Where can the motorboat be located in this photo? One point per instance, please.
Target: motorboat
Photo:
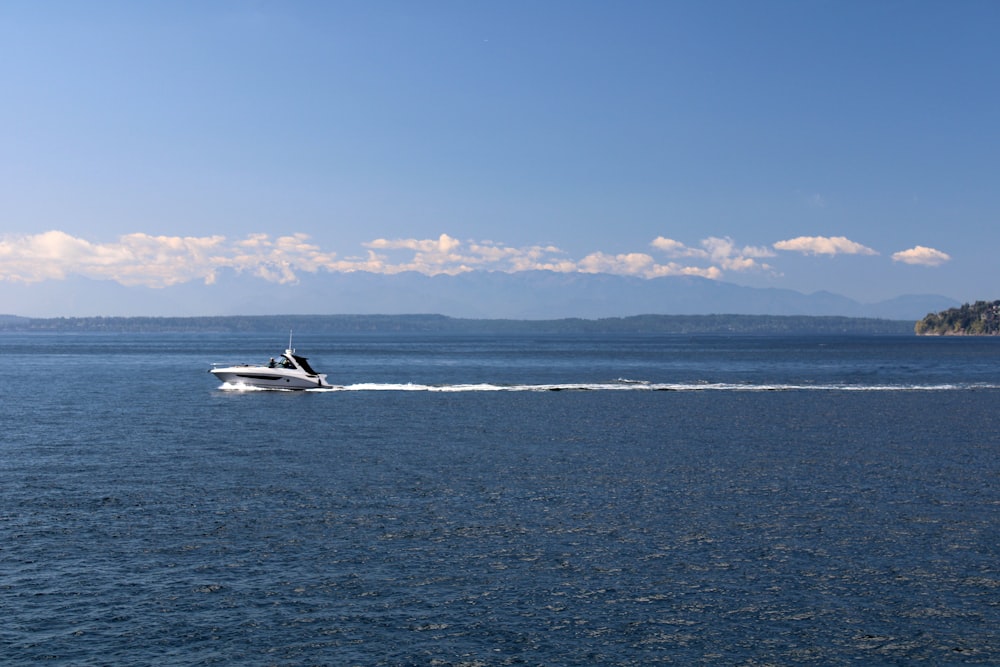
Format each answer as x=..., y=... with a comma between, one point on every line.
x=289, y=371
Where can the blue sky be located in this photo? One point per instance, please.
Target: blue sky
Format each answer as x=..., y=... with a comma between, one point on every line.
x=841, y=146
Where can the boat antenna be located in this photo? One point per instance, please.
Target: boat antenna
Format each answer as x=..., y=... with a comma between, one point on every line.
x=290, y=341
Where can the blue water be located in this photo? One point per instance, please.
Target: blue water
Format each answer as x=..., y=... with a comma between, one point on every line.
x=678, y=500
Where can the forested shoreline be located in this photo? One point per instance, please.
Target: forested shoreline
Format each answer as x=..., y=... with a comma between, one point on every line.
x=440, y=324
x=981, y=318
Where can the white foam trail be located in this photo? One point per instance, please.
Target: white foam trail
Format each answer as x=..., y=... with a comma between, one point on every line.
x=239, y=386
x=649, y=386
x=621, y=384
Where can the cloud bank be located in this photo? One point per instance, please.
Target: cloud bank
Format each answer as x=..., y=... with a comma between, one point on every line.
x=160, y=261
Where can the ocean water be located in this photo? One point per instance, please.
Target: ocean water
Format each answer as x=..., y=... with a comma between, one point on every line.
x=512, y=500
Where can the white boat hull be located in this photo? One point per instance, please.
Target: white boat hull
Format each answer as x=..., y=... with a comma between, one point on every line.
x=268, y=378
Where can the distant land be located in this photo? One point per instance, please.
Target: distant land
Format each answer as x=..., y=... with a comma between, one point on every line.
x=981, y=318
x=526, y=295
x=440, y=324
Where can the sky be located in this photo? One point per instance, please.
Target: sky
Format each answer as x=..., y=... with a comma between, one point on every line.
x=850, y=147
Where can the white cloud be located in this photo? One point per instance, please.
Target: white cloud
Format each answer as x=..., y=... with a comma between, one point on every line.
x=674, y=248
x=824, y=245
x=635, y=263
x=430, y=256
x=921, y=255
x=725, y=253
x=442, y=245
x=136, y=259
x=155, y=261
x=531, y=258
x=722, y=252
x=675, y=269
x=272, y=260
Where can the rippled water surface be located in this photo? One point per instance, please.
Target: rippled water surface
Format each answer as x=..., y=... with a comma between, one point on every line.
x=730, y=500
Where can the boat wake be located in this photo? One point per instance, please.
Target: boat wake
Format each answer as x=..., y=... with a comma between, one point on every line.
x=625, y=385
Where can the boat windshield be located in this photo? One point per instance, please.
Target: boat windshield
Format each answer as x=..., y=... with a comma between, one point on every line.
x=284, y=363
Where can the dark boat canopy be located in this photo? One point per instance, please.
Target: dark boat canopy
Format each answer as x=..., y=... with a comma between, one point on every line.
x=304, y=364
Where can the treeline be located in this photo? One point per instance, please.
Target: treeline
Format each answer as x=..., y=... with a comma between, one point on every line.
x=353, y=324
x=981, y=318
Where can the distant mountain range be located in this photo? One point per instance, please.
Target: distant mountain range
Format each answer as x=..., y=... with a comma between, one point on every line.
x=490, y=295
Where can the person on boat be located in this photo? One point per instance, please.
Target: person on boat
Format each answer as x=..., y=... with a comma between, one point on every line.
x=270, y=364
